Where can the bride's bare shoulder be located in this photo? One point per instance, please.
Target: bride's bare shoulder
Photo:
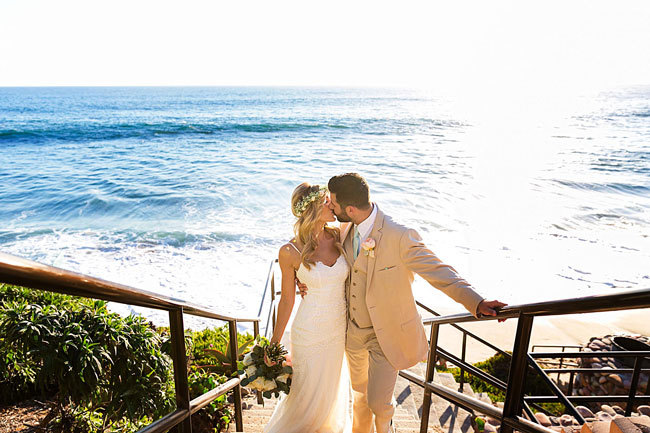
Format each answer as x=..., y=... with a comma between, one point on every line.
x=289, y=254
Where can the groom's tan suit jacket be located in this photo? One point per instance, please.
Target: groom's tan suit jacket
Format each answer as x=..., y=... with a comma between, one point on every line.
x=378, y=290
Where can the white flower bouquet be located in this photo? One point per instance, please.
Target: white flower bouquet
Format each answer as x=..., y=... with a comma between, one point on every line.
x=266, y=369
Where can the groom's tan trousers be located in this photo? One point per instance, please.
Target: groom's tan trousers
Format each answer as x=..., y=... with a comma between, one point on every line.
x=373, y=380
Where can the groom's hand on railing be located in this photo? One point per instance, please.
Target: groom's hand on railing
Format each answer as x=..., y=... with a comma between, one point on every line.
x=302, y=288
x=490, y=308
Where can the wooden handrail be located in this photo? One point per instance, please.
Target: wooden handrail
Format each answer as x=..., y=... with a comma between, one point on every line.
x=27, y=273
x=516, y=401
x=24, y=272
x=589, y=304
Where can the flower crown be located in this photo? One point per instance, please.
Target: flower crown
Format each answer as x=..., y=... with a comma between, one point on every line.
x=300, y=207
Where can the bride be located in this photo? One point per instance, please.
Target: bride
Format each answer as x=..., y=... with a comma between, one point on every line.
x=319, y=400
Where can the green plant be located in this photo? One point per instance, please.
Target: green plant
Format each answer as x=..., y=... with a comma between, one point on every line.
x=98, y=363
x=216, y=416
x=211, y=349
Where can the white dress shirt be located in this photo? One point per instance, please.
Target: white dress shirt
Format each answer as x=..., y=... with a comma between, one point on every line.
x=365, y=227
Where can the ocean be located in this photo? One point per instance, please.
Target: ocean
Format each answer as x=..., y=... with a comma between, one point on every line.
x=185, y=191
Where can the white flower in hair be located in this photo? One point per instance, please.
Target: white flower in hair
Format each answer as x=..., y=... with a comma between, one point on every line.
x=307, y=200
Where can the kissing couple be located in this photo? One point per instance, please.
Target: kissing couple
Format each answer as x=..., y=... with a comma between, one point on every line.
x=358, y=302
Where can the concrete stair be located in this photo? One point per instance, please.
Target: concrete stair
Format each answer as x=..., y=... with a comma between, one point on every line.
x=443, y=418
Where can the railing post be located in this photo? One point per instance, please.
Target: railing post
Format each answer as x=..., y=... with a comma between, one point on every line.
x=518, y=369
x=634, y=384
x=431, y=368
x=232, y=328
x=462, y=357
x=559, y=373
x=179, y=358
x=256, y=333
x=272, y=301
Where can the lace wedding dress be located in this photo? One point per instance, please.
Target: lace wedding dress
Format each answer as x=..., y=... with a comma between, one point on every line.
x=319, y=400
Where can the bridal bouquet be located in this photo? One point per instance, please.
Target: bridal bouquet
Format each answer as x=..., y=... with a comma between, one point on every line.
x=266, y=369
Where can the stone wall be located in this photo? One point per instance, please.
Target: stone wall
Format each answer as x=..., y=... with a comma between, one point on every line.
x=607, y=383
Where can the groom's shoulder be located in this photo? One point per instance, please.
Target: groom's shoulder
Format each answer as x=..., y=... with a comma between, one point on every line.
x=392, y=226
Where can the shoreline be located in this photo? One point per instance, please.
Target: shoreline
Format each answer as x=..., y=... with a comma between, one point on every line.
x=574, y=329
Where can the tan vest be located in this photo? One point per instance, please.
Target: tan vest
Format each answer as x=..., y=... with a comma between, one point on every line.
x=358, y=309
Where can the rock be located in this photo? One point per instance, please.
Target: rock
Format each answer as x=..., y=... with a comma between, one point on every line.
x=494, y=421
x=603, y=416
x=616, y=379
x=608, y=409
x=618, y=410
x=642, y=422
x=500, y=404
x=566, y=420
x=543, y=419
x=643, y=410
x=602, y=379
x=623, y=425
x=584, y=412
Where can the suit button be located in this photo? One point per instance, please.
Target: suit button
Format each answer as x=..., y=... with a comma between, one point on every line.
x=354, y=308
x=354, y=296
x=354, y=284
x=355, y=271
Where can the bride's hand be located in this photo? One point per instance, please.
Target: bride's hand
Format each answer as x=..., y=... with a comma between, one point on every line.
x=302, y=287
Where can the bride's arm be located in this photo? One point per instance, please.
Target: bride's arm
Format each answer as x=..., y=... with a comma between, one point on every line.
x=286, y=259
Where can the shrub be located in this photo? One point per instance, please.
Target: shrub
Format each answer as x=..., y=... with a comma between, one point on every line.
x=211, y=349
x=216, y=416
x=107, y=373
x=95, y=360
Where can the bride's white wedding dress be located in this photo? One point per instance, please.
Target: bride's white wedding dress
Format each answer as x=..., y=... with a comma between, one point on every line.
x=319, y=400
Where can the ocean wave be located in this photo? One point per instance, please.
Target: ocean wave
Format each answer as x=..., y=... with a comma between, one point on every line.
x=86, y=132
x=37, y=132
x=607, y=187
x=132, y=238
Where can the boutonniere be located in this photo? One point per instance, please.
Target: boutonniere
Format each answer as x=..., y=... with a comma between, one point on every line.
x=369, y=247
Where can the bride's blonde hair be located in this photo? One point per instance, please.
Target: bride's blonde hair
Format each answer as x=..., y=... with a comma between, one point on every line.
x=307, y=214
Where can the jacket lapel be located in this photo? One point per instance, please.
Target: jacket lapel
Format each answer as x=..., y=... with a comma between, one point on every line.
x=347, y=247
x=375, y=234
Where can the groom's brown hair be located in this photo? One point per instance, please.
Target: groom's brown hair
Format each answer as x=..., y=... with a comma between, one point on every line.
x=351, y=189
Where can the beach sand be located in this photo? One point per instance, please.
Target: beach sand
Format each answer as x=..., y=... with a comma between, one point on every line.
x=554, y=330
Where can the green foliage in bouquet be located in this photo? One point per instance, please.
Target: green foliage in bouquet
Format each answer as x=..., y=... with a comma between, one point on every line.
x=265, y=369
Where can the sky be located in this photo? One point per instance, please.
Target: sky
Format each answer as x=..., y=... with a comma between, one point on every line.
x=442, y=45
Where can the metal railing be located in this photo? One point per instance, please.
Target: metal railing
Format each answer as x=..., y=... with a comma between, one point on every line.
x=516, y=402
x=27, y=273
x=517, y=412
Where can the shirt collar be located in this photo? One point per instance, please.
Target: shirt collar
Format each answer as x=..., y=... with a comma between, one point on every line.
x=365, y=227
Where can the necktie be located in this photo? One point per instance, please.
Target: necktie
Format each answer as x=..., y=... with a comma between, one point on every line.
x=356, y=242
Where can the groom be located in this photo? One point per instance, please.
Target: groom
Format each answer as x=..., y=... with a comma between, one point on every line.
x=385, y=332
